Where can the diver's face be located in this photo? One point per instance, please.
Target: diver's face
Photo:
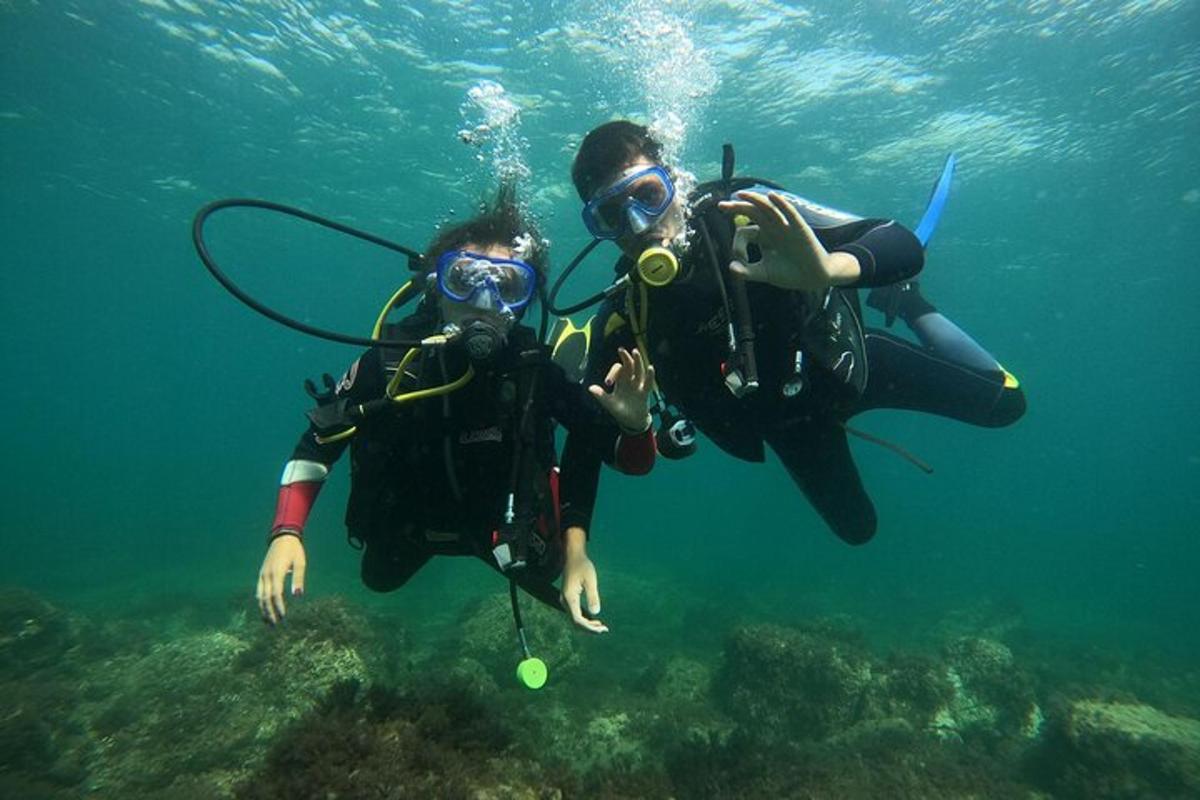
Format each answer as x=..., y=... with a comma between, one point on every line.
x=668, y=225
x=460, y=313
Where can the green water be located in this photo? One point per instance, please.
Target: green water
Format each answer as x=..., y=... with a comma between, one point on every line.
x=149, y=414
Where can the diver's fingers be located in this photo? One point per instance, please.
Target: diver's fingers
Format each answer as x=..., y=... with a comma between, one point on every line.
x=260, y=595
x=651, y=381
x=767, y=212
x=571, y=598
x=743, y=207
x=614, y=372
x=795, y=220
x=268, y=600
x=639, y=371
x=754, y=271
x=278, y=607
x=299, y=567
x=591, y=586
x=626, y=360
x=628, y=368
x=742, y=237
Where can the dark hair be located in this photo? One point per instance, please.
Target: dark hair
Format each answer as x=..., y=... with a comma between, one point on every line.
x=500, y=222
x=608, y=148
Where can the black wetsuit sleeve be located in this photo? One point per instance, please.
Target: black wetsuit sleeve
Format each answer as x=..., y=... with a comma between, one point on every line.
x=362, y=381
x=887, y=251
x=591, y=433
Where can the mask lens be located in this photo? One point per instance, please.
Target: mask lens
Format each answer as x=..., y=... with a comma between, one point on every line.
x=465, y=274
x=649, y=191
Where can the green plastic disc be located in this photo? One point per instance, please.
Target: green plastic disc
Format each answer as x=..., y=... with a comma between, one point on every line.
x=532, y=673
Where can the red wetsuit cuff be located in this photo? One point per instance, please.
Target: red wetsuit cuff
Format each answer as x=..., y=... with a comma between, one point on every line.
x=294, y=504
x=635, y=454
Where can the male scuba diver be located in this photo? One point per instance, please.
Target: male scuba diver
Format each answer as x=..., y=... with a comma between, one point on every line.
x=742, y=296
x=452, y=447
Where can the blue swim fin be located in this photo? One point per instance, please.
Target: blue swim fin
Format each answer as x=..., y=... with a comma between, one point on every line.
x=937, y=202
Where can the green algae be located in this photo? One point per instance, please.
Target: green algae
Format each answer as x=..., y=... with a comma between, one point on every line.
x=341, y=703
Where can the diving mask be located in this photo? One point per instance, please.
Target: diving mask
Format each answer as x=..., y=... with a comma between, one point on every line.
x=633, y=203
x=488, y=294
x=499, y=284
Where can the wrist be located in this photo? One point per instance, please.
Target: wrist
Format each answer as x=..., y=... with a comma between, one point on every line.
x=843, y=268
x=281, y=531
x=638, y=428
x=575, y=542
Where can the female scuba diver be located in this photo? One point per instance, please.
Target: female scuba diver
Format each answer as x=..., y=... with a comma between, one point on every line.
x=452, y=446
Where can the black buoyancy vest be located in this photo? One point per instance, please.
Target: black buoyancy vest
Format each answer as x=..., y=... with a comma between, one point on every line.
x=797, y=330
x=448, y=461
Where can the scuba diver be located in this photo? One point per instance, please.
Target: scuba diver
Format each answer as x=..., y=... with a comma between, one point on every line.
x=452, y=447
x=742, y=296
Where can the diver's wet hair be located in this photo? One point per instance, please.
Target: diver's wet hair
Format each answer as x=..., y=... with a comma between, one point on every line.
x=608, y=148
x=500, y=223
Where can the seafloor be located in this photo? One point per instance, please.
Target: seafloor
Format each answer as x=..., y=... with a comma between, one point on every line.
x=343, y=702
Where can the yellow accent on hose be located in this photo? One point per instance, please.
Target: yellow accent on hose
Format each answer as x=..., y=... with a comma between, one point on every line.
x=394, y=384
x=337, y=437
x=639, y=313
x=391, y=303
x=1010, y=380
x=614, y=323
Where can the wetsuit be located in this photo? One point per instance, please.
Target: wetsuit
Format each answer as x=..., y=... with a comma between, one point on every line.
x=432, y=476
x=817, y=365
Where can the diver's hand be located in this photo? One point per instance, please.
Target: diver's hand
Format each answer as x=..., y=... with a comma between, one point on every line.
x=579, y=577
x=792, y=256
x=286, y=554
x=631, y=380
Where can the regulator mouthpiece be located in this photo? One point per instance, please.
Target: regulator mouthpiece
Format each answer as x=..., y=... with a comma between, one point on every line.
x=481, y=341
x=657, y=266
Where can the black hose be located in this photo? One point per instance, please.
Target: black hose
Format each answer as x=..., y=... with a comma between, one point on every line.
x=415, y=260
x=566, y=273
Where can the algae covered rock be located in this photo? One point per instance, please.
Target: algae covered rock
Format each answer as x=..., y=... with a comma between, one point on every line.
x=33, y=633
x=783, y=683
x=683, y=681
x=487, y=635
x=399, y=745
x=197, y=710
x=1099, y=749
x=913, y=687
x=992, y=696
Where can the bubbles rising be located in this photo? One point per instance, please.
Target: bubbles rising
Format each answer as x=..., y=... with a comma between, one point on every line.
x=492, y=121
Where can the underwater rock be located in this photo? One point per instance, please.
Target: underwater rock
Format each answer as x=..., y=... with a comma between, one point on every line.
x=607, y=740
x=782, y=683
x=683, y=681
x=487, y=635
x=198, y=709
x=991, y=696
x=393, y=744
x=1098, y=749
x=33, y=633
x=912, y=687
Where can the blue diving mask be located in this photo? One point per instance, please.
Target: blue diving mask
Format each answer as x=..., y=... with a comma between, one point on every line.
x=634, y=203
x=499, y=284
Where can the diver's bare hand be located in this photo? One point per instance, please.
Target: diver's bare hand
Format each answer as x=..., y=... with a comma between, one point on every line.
x=579, y=577
x=631, y=380
x=285, y=555
x=792, y=256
